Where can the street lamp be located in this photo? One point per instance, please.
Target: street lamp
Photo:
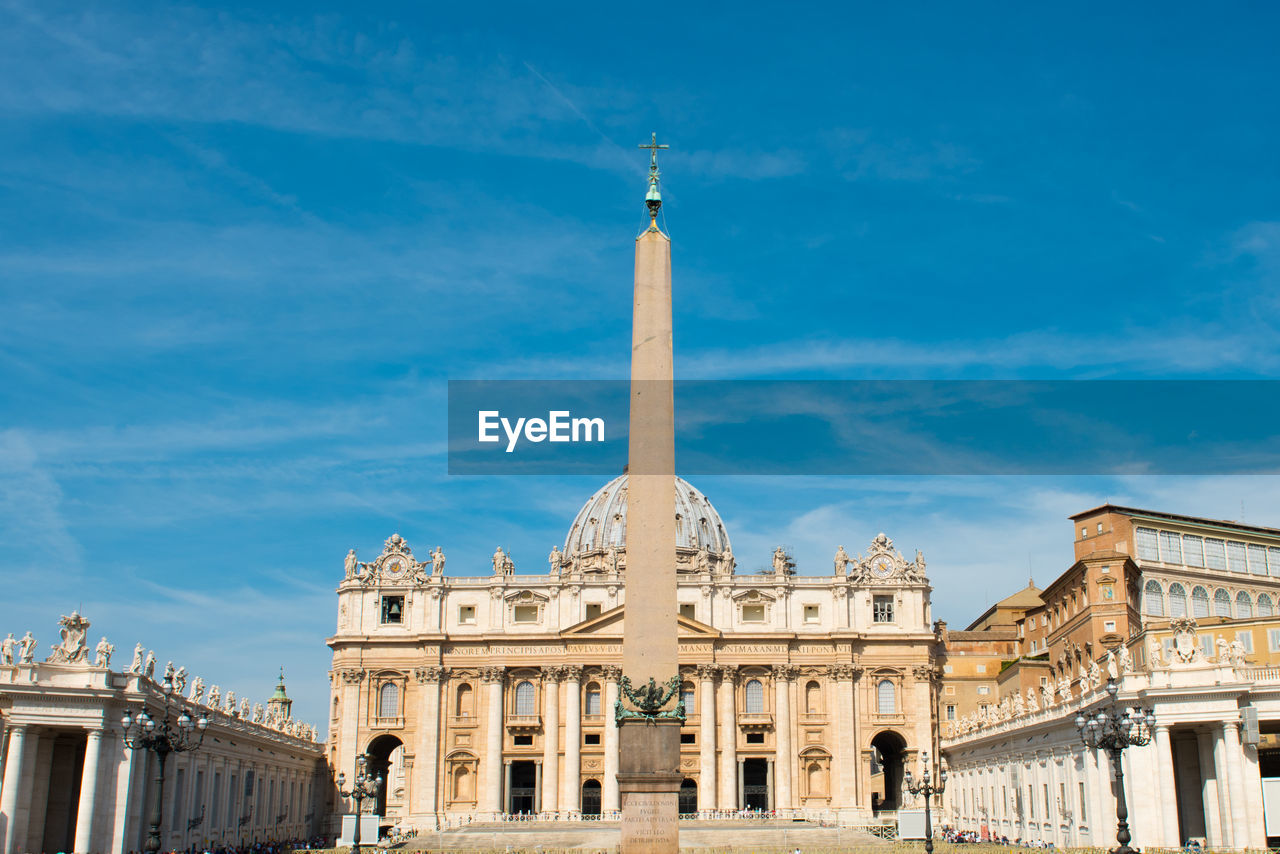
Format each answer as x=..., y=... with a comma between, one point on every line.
x=1114, y=730
x=365, y=786
x=162, y=738
x=925, y=786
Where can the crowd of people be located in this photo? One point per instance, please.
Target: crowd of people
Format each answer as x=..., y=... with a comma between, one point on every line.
x=268, y=846
x=951, y=834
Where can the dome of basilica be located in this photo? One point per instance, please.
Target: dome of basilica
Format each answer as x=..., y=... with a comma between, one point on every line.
x=602, y=522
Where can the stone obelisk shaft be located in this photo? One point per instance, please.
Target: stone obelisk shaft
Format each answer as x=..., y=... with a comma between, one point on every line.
x=648, y=776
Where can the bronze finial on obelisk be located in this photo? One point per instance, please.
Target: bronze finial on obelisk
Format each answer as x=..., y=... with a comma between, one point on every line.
x=648, y=719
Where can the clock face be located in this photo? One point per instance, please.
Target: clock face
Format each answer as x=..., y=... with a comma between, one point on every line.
x=881, y=567
x=394, y=567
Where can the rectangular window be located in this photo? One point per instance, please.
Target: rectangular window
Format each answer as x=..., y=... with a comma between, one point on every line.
x=1246, y=640
x=984, y=690
x=467, y=614
x=1170, y=547
x=231, y=802
x=1148, y=546
x=1031, y=799
x=392, y=610
x=1109, y=626
x=1257, y=560
x=522, y=740
x=1236, y=561
x=946, y=668
x=882, y=609
x=686, y=610
x=982, y=668
x=755, y=738
x=811, y=614
x=593, y=610
x=1048, y=810
x=1193, y=550
x=688, y=738
x=177, y=796
x=1206, y=645
x=1273, y=559
x=1167, y=645
x=1215, y=553
x=951, y=712
x=216, y=799
x=753, y=613
x=1084, y=533
x=525, y=614
x=1273, y=639
x=1084, y=812
x=591, y=738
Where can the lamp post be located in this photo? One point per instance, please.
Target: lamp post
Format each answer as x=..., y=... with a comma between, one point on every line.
x=162, y=738
x=1113, y=730
x=363, y=787
x=925, y=786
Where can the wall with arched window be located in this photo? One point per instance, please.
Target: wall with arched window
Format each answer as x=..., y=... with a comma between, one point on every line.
x=526, y=698
x=592, y=705
x=813, y=698
x=688, y=696
x=1153, y=599
x=1266, y=608
x=1221, y=603
x=886, y=697
x=1177, y=600
x=754, y=691
x=389, y=700
x=1199, y=602
x=1244, y=605
x=464, y=701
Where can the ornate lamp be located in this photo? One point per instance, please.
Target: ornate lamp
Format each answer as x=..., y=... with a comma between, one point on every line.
x=1113, y=730
x=363, y=787
x=925, y=786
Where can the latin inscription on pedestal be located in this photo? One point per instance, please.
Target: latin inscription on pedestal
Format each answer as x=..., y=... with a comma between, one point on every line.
x=650, y=822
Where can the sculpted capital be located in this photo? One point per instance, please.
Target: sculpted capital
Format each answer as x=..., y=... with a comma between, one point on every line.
x=572, y=672
x=706, y=671
x=352, y=676
x=784, y=672
x=554, y=673
x=840, y=672
x=612, y=672
x=430, y=674
x=493, y=674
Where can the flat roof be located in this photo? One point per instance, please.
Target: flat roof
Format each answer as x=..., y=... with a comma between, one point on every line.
x=1157, y=516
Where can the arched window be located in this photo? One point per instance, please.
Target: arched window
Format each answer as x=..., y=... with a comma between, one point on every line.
x=1199, y=602
x=389, y=700
x=1265, y=607
x=755, y=697
x=886, y=701
x=813, y=698
x=524, y=698
x=688, y=696
x=593, y=699
x=1154, y=599
x=1244, y=606
x=1221, y=603
x=464, y=706
x=1177, y=600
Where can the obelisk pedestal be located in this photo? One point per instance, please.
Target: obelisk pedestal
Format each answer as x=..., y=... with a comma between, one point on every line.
x=649, y=748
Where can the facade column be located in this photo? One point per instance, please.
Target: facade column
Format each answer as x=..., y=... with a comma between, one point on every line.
x=780, y=791
x=610, y=801
x=728, y=776
x=738, y=804
x=707, y=737
x=426, y=799
x=493, y=678
x=88, y=792
x=1235, y=777
x=13, y=788
x=1209, y=790
x=1225, y=793
x=551, y=740
x=847, y=770
x=571, y=789
x=1168, y=795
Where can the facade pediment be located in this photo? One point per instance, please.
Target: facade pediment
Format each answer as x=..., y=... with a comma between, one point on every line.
x=610, y=624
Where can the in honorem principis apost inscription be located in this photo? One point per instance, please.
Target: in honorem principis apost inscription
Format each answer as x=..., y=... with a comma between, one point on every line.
x=650, y=818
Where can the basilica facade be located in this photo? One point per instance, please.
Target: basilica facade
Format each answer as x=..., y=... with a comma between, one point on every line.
x=493, y=693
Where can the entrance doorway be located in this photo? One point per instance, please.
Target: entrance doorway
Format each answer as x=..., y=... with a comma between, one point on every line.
x=384, y=761
x=688, y=797
x=755, y=784
x=591, y=797
x=524, y=787
x=887, y=750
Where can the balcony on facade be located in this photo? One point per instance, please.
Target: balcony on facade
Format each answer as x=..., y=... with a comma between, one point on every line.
x=524, y=723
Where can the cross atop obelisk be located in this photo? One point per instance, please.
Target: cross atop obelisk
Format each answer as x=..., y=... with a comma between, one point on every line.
x=649, y=723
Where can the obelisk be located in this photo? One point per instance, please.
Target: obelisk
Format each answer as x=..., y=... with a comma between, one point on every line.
x=649, y=761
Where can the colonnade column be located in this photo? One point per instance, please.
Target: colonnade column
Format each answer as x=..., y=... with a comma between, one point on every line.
x=425, y=787
x=609, y=801
x=728, y=776
x=13, y=787
x=551, y=739
x=571, y=789
x=493, y=677
x=1168, y=796
x=1239, y=816
x=88, y=792
x=782, y=676
x=707, y=737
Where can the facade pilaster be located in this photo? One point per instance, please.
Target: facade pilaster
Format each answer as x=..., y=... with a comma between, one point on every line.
x=728, y=777
x=1226, y=793
x=707, y=737
x=426, y=762
x=571, y=788
x=609, y=796
x=840, y=677
x=1168, y=796
x=493, y=677
x=783, y=676
x=88, y=792
x=551, y=739
x=1209, y=790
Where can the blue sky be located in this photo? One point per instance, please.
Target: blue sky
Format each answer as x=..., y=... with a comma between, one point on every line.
x=242, y=249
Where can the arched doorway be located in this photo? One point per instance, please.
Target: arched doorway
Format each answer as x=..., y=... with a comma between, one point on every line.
x=887, y=751
x=385, y=755
x=688, y=797
x=591, y=797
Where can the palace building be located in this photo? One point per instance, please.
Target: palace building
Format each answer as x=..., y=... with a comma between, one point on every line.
x=493, y=692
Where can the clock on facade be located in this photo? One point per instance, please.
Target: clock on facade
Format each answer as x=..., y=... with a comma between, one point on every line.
x=881, y=567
